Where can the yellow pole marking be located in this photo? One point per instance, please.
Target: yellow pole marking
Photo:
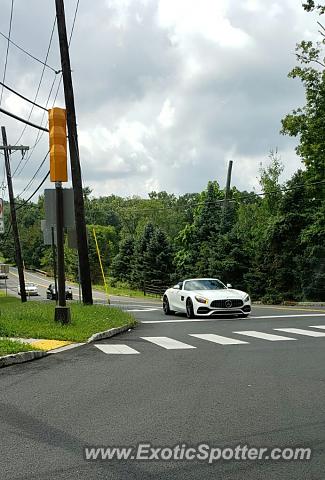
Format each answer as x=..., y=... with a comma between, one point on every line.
x=101, y=265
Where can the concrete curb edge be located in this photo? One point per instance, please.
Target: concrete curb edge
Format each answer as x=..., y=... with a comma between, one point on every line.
x=21, y=357
x=108, y=333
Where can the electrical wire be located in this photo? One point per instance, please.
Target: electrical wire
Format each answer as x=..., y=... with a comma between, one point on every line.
x=41, y=133
x=40, y=81
x=34, y=193
x=7, y=50
x=34, y=176
x=29, y=54
x=38, y=136
x=21, y=96
x=5, y=71
x=20, y=119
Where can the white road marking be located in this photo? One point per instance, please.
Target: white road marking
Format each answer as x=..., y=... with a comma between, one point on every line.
x=135, y=305
x=117, y=349
x=317, y=326
x=265, y=336
x=211, y=337
x=168, y=343
x=209, y=319
x=300, y=331
x=142, y=310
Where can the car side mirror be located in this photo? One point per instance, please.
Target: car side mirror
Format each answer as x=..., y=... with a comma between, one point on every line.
x=176, y=287
x=229, y=285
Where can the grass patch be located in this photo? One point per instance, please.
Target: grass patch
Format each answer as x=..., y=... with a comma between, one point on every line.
x=8, y=347
x=125, y=292
x=36, y=320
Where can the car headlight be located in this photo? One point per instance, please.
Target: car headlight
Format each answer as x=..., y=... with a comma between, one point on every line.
x=246, y=299
x=201, y=299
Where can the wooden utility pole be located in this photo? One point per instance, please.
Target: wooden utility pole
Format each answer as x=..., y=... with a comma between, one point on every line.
x=74, y=157
x=18, y=255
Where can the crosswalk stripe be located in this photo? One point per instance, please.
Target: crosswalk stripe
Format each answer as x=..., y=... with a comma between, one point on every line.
x=265, y=336
x=300, y=331
x=117, y=349
x=318, y=326
x=168, y=343
x=211, y=337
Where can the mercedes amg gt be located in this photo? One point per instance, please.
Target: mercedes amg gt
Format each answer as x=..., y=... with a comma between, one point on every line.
x=206, y=297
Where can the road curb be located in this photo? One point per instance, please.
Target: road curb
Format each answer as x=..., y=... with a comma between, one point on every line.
x=21, y=357
x=109, y=333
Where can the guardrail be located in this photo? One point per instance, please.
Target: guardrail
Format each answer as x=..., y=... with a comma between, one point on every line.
x=154, y=288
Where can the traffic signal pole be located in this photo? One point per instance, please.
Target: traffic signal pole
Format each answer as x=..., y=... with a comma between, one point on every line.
x=18, y=255
x=59, y=174
x=62, y=312
x=74, y=157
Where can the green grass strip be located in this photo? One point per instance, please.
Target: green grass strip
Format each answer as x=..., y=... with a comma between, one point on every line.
x=35, y=319
x=8, y=347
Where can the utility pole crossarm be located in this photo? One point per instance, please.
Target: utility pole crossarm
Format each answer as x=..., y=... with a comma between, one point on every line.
x=14, y=147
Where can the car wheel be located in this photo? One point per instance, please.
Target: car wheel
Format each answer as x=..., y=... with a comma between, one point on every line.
x=166, y=308
x=189, y=308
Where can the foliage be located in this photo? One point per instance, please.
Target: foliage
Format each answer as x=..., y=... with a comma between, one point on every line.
x=271, y=244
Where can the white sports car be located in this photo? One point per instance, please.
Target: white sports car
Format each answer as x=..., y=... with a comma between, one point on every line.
x=206, y=297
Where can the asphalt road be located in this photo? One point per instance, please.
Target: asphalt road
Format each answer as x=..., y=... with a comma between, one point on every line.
x=266, y=392
x=43, y=282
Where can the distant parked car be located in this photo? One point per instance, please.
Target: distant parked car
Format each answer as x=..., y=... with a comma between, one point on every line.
x=51, y=293
x=30, y=288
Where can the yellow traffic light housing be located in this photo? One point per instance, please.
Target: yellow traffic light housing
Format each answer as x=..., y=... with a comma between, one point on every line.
x=58, y=145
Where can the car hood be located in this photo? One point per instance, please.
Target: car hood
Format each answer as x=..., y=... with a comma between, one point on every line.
x=220, y=294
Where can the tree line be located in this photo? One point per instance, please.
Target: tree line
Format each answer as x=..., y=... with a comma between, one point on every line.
x=271, y=244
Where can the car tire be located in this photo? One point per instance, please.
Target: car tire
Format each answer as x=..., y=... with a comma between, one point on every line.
x=189, y=308
x=166, y=307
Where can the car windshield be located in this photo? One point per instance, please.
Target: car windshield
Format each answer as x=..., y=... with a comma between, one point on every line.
x=205, y=284
x=30, y=285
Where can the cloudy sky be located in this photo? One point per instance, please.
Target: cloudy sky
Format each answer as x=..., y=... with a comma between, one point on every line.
x=167, y=91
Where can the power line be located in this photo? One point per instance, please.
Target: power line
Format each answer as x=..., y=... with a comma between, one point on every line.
x=21, y=96
x=34, y=176
x=40, y=81
x=7, y=50
x=34, y=193
x=5, y=71
x=29, y=54
x=40, y=134
x=16, y=117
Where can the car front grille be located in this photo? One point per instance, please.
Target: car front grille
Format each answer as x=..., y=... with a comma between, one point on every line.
x=230, y=303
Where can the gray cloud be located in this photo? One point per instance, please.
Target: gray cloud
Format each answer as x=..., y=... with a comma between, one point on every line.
x=165, y=96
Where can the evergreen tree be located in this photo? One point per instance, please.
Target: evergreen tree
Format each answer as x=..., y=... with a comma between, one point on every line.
x=122, y=263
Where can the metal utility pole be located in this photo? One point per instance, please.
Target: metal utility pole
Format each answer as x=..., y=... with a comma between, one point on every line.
x=18, y=255
x=228, y=182
x=74, y=157
x=54, y=262
x=227, y=191
x=62, y=313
